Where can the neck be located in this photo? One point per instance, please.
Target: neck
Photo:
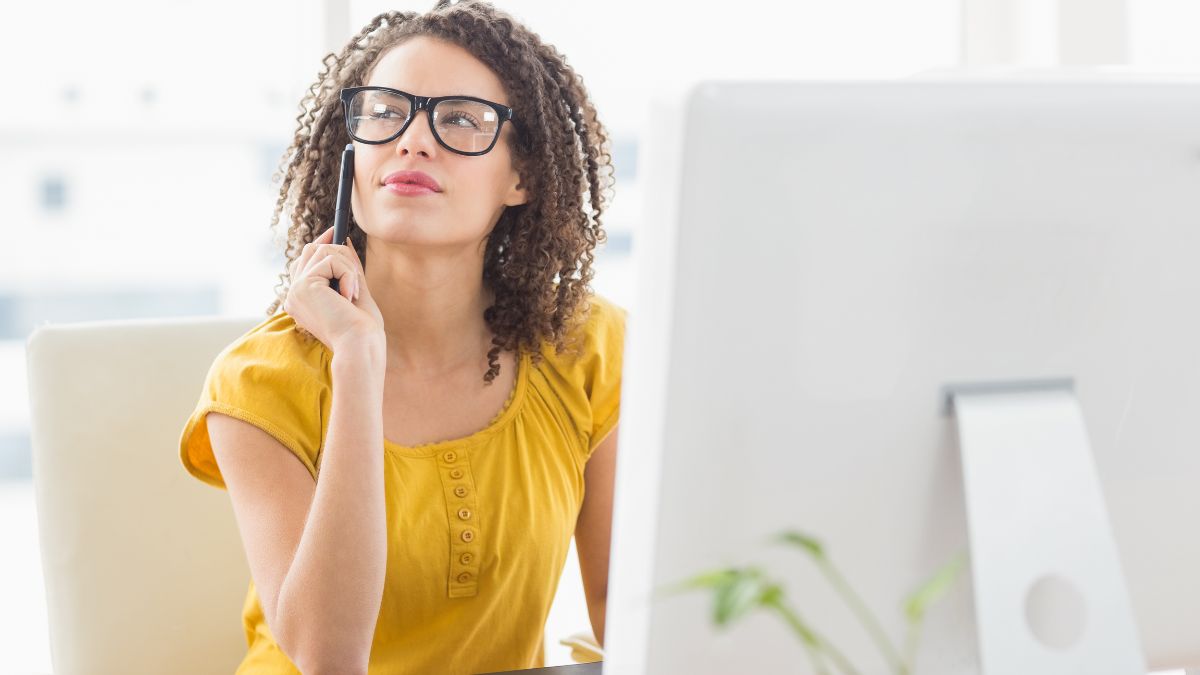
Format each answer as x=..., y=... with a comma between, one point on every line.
x=432, y=302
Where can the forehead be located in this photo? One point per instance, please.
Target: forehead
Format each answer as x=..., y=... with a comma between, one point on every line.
x=431, y=67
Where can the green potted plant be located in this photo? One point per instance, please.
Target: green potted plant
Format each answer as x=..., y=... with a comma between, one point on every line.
x=739, y=590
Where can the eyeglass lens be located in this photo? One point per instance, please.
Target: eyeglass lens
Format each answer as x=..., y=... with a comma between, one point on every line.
x=466, y=126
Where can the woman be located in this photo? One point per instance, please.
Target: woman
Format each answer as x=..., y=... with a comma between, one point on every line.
x=400, y=512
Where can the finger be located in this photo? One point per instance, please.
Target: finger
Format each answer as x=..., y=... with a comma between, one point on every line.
x=343, y=253
x=310, y=249
x=354, y=257
x=297, y=264
x=361, y=286
x=335, y=267
x=302, y=261
x=328, y=265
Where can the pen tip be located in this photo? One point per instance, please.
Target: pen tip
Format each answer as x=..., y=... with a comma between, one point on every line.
x=350, y=147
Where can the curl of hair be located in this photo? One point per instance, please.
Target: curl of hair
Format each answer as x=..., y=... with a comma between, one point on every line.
x=538, y=258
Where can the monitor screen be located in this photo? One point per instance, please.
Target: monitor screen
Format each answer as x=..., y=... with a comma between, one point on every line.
x=817, y=261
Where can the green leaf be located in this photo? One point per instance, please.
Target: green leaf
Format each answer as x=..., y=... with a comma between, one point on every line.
x=714, y=579
x=771, y=594
x=734, y=599
x=931, y=591
x=805, y=542
x=711, y=579
x=805, y=633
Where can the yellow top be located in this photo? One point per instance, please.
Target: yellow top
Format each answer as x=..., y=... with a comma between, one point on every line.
x=481, y=524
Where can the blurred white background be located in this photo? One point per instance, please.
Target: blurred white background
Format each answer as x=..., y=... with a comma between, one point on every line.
x=138, y=139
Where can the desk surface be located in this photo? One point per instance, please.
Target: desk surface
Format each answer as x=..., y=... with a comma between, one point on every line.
x=576, y=669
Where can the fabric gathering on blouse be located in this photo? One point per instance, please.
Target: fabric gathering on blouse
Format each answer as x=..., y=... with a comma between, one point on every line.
x=478, y=527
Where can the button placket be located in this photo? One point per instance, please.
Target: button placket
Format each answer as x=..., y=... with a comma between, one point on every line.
x=459, y=489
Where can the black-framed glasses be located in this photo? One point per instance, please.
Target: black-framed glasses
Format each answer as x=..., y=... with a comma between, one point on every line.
x=463, y=124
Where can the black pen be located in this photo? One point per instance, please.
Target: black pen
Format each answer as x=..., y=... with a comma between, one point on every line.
x=341, y=216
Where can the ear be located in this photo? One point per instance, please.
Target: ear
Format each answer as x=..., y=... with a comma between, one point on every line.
x=517, y=194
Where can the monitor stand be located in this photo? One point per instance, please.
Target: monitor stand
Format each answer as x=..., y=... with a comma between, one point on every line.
x=1050, y=597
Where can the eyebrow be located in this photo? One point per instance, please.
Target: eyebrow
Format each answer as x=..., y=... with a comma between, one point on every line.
x=457, y=93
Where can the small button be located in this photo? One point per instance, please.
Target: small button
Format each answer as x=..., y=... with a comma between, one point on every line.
x=450, y=457
x=456, y=473
x=464, y=578
x=465, y=514
x=466, y=558
x=460, y=491
x=468, y=536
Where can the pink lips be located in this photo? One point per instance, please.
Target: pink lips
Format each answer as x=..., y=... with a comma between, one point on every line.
x=411, y=183
x=409, y=189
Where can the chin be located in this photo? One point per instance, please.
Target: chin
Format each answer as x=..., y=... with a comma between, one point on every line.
x=418, y=232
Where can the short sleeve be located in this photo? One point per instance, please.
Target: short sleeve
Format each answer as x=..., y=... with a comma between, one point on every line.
x=271, y=377
x=582, y=384
x=604, y=351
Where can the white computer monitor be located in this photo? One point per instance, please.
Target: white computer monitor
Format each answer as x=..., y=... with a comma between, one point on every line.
x=817, y=262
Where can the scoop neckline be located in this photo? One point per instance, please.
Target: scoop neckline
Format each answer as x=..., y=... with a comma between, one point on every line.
x=511, y=406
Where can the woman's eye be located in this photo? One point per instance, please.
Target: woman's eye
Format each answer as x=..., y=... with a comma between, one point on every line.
x=461, y=120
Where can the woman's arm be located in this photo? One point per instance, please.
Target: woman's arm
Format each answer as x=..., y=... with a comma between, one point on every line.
x=317, y=551
x=593, y=530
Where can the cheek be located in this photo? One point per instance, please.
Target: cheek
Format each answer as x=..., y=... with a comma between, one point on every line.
x=367, y=163
x=364, y=164
x=361, y=192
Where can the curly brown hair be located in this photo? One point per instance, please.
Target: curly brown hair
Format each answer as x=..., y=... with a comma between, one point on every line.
x=538, y=257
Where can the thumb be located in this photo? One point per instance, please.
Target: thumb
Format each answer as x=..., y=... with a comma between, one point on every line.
x=362, y=274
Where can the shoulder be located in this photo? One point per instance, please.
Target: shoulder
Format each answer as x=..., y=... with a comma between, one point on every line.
x=276, y=342
x=605, y=316
x=275, y=371
x=598, y=333
x=583, y=380
x=274, y=377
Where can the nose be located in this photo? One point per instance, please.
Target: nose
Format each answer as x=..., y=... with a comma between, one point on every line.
x=418, y=137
